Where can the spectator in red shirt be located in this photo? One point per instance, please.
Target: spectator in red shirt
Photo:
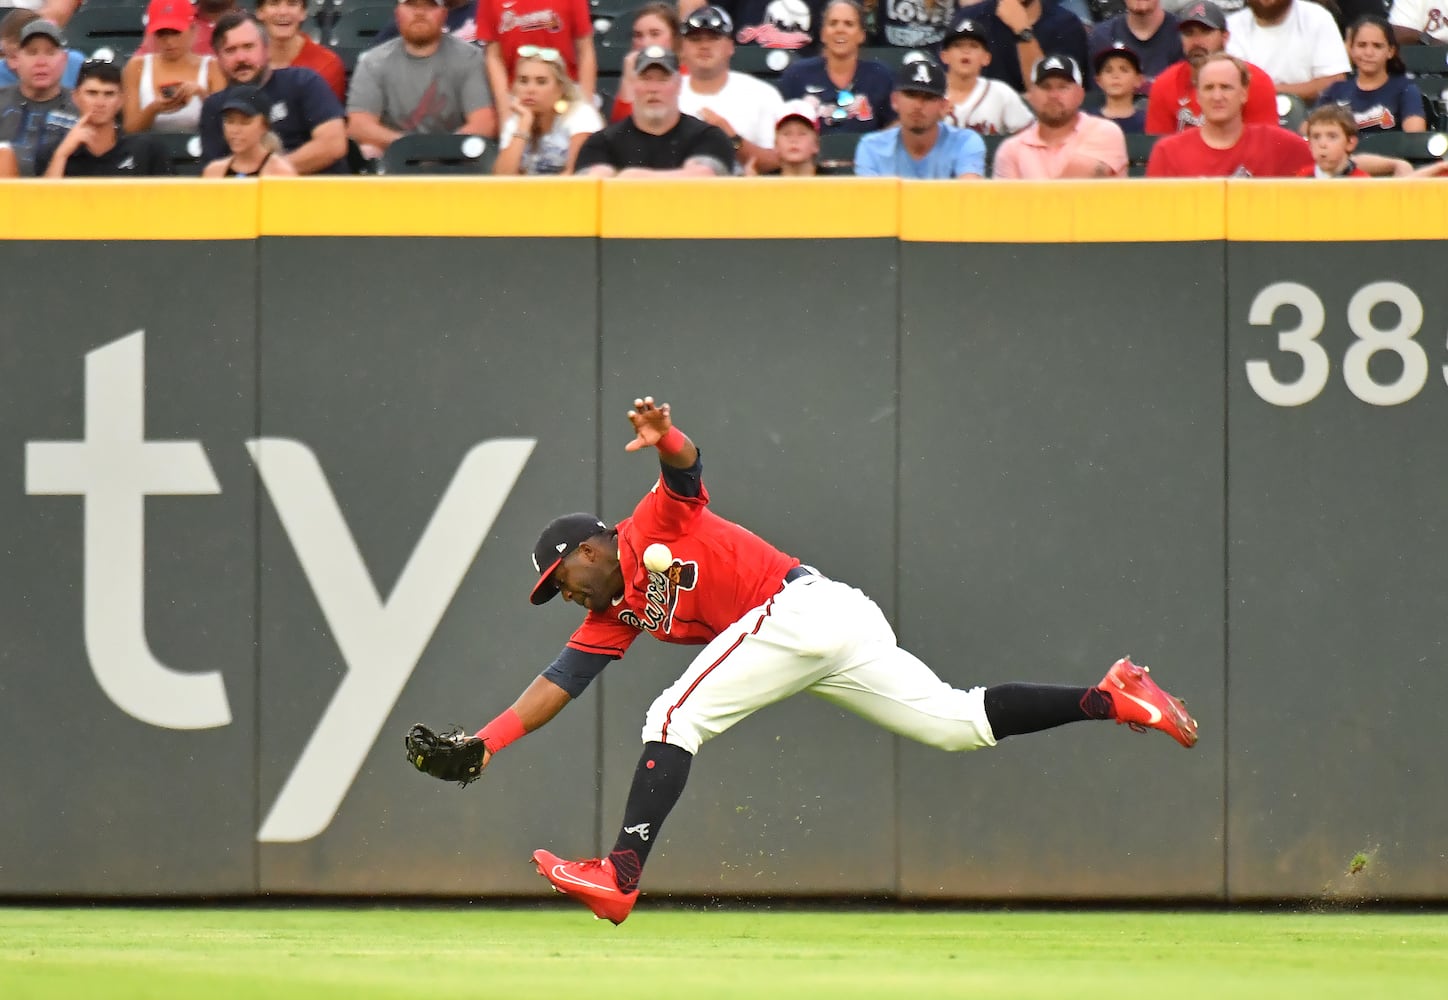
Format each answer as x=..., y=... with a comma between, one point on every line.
x=565, y=26
x=290, y=45
x=1173, y=106
x=1225, y=145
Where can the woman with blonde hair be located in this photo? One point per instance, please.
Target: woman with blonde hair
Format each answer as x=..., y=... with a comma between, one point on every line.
x=254, y=146
x=549, y=120
x=164, y=89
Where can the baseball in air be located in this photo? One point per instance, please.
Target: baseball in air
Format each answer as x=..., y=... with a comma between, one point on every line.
x=658, y=558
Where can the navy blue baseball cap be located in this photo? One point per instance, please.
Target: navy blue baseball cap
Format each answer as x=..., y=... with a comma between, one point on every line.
x=562, y=536
x=921, y=77
x=247, y=99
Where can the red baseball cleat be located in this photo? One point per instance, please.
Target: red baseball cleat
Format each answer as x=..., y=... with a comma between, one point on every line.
x=1140, y=704
x=590, y=882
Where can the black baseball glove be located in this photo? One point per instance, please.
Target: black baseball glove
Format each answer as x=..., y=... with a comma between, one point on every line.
x=450, y=756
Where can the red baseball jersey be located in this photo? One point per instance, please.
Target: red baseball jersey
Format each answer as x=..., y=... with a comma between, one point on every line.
x=549, y=24
x=1262, y=151
x=1172, y=106
x=719, y=571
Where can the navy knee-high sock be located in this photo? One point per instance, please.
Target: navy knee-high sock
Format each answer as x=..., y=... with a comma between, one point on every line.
x=658, y=782
x=1028, y=708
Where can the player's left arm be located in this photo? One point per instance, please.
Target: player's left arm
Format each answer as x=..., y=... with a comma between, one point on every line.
x=654, y=428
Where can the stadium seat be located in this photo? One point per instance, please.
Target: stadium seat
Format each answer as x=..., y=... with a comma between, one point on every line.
x=612, y=45
x=992, y=143
x=358, y=24
x=183, y=150
x=759, y=62
x=1138, y=152
x=116, y=28
x=837, y=149
x=1418, y=148
x=891, y=55
x=439, y=154
x=1424, y=58
x=1291, y=112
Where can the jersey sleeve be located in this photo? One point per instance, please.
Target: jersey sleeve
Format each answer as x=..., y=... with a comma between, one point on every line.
x=486, y=21
x=582, y=20
x=602, y=635
x=1261, y=108
x=573, y=670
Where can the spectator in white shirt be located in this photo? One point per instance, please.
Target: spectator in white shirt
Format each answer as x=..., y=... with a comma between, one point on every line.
x=1419, y=21
x=743, y=107
x=1295, y=41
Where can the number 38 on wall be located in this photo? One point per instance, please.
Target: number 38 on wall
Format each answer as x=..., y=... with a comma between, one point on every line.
x=1316, y=367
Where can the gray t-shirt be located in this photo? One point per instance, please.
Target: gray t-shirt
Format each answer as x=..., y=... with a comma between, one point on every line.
x=432, y=94
x=34, y=128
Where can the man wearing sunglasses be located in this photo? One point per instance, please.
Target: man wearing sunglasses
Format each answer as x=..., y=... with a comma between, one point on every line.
x=657, y=139
x=741, y=106
x=423, y=82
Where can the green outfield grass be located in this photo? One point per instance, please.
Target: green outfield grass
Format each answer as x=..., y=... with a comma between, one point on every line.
x=533, y=954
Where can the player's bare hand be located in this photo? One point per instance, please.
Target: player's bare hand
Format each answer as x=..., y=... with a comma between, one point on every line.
x=650, y=421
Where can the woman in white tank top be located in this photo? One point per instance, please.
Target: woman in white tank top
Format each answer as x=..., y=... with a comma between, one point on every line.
x=164, y=89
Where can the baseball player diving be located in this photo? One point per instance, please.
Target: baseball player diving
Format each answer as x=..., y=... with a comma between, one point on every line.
x=769, y=627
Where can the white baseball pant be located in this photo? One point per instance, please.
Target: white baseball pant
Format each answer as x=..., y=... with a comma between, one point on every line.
x=828, y=638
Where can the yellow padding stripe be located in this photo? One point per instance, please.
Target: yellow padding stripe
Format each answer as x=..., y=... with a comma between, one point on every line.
x=751, y=208
x=1304, y=211
x=429, y=206
x=1107, y=211
x=141, y=209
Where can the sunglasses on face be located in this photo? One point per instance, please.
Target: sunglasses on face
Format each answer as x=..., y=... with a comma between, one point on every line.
x=536, y=52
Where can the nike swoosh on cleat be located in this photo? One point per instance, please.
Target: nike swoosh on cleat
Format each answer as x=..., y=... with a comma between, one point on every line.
x=562, y=875
x=1150, y=708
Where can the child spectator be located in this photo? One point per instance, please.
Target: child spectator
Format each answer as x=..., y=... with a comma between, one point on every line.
x=988, y=106
x=1379, y=95
x=1118, y=76
x=654, y=24
x=1332, y=135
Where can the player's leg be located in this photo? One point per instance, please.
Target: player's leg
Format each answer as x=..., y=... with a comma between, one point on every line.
x=764, y=657
x=892, y=687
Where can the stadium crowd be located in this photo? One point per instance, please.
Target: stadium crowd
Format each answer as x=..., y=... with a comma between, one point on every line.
x=1032, y=89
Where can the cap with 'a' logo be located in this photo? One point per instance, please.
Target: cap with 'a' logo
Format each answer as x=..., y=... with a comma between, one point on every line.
x=921, y=77
x=562, y=536
x=1202, y=12
x=1056, y=65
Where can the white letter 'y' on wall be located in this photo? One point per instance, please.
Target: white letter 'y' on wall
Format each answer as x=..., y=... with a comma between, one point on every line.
x=115, y=468
x=380, y=642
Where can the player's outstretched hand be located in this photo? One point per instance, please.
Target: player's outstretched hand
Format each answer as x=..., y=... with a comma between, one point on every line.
x=451, y=756
x=650, y=423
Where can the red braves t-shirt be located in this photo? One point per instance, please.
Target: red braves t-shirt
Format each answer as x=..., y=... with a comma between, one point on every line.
x=719, y=571
x=1262, y=151
x=1172, y=106
x=549, y=24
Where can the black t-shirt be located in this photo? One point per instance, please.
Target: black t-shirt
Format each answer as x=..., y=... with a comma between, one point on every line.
x=777, y=24
x=301, y=101
x=132, y=156
x=624, y=144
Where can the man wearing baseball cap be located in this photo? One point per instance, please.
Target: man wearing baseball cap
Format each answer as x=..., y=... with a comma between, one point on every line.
x=1172, y=105
x=37, y=112
x=922, y=145
x=657, y=140
x=1063, y=144
x=742, y=107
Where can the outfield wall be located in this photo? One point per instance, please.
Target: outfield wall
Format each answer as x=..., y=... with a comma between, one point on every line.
x=317, y=425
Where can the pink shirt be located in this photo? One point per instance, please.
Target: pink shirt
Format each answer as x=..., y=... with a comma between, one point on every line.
x=1024, y=156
